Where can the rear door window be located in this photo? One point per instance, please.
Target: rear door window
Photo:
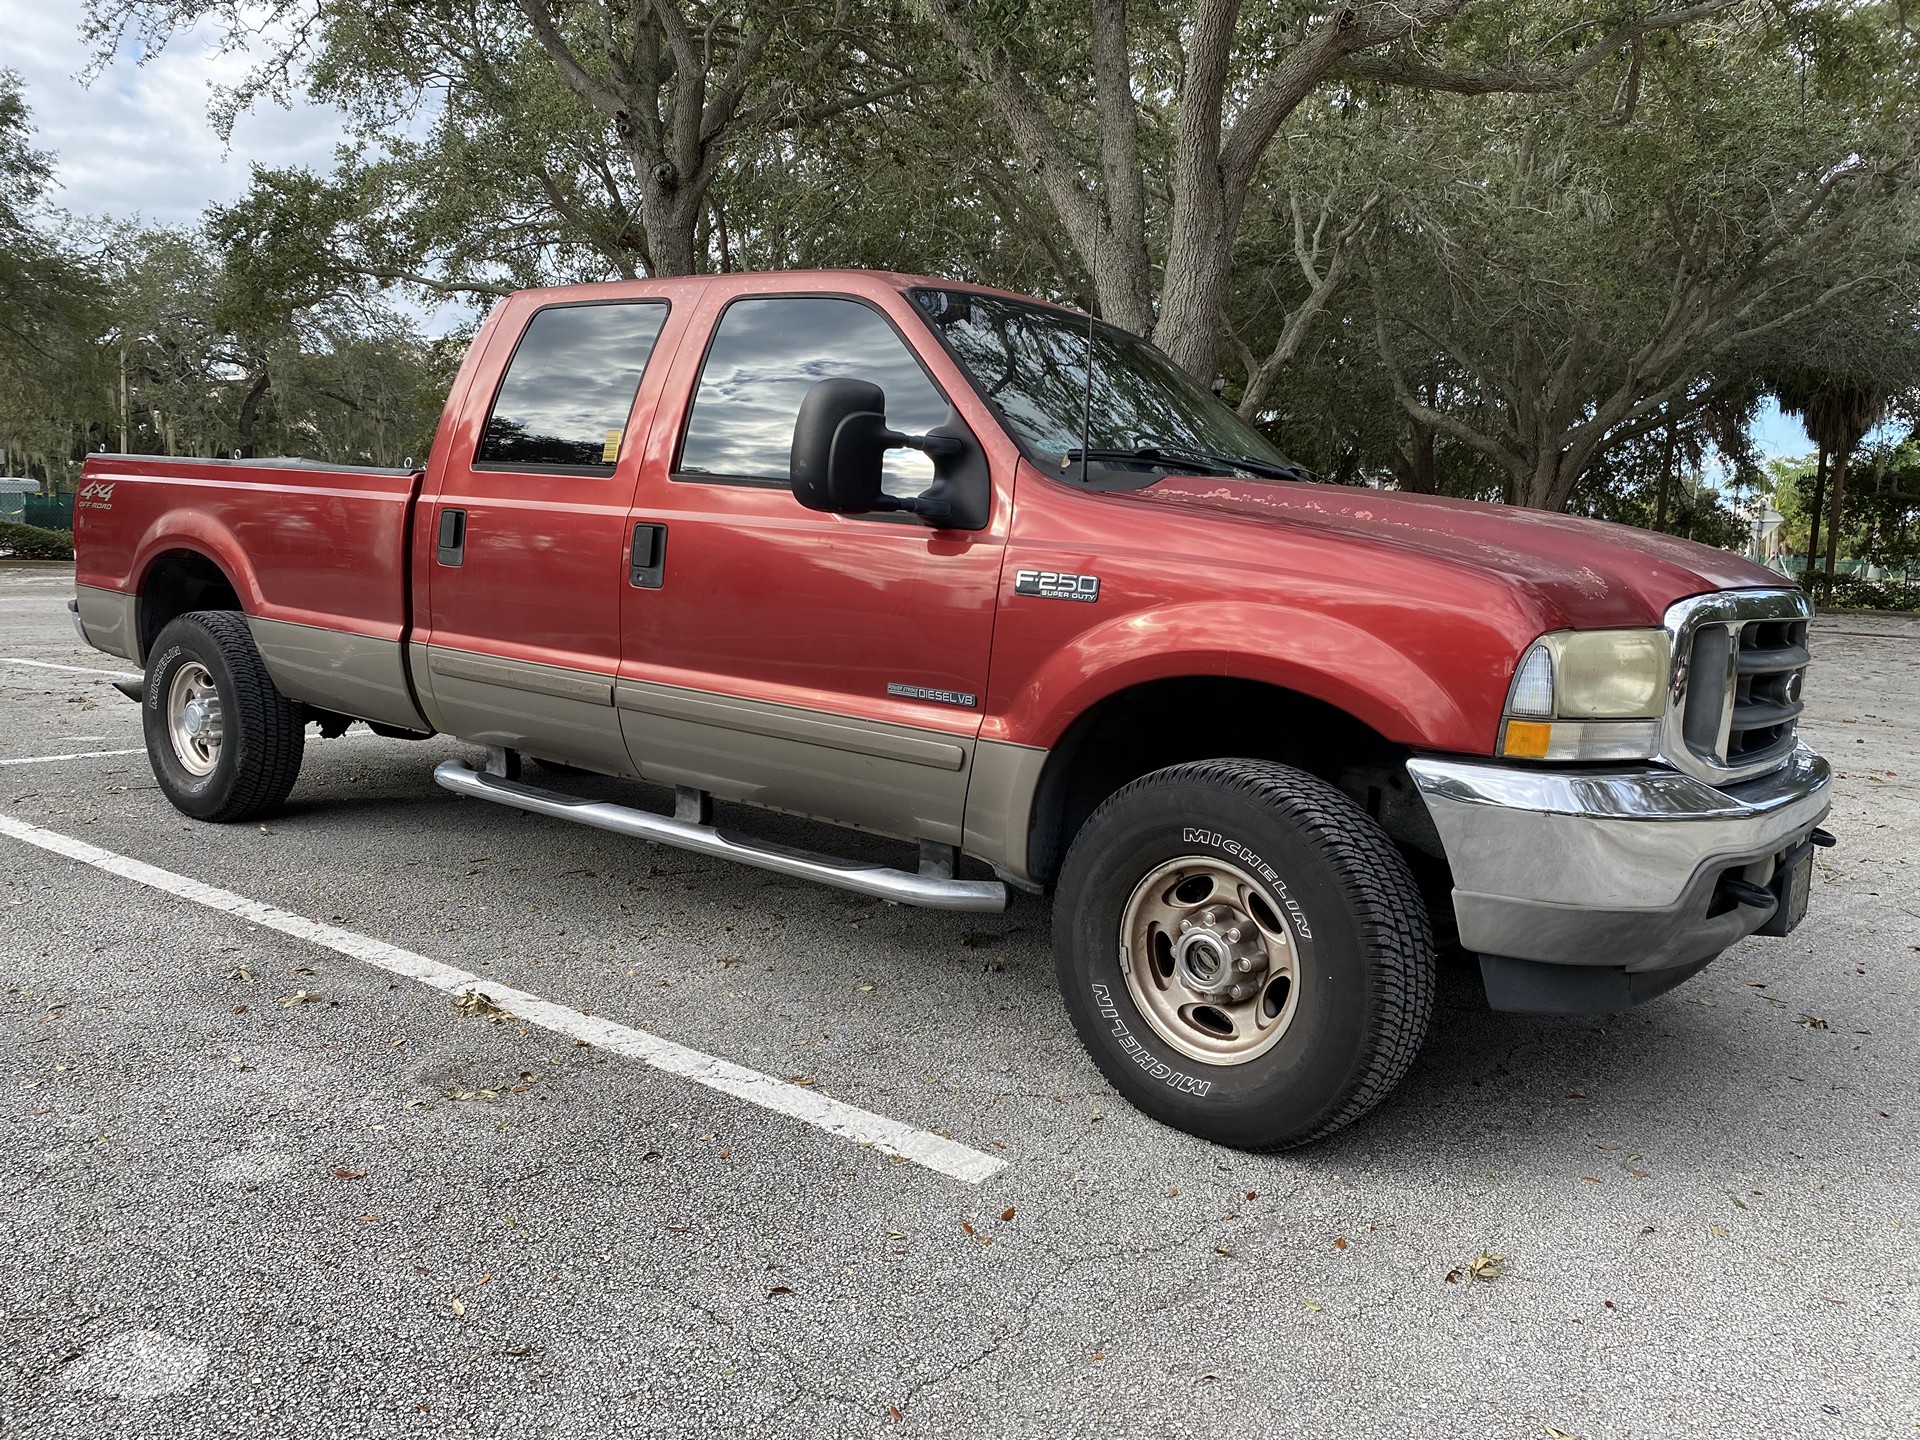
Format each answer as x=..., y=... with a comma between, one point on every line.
x=564, y=402
x=766, y=354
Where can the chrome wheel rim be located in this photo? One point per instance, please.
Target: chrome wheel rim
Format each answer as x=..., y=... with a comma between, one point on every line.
x=193, y=718
x=1210, y=960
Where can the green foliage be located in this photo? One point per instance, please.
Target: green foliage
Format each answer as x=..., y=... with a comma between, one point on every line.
x=1455, y=267
x=30, y=542
x=1856, y=592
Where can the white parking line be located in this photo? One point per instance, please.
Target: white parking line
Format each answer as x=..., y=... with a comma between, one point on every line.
x=77, y=755
x=893, y=1137
x=76, y=669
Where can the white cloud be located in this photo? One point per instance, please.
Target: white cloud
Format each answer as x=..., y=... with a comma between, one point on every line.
x=137, y=141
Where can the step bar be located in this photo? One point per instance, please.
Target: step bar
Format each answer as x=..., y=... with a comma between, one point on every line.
x=691, y=828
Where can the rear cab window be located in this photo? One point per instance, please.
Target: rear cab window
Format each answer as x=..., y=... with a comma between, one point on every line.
x=766, y=353
x=569, y=388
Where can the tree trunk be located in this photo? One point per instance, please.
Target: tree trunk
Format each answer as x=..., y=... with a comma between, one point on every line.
x=670, y=214
x=250, y=410
x=1813, y=520
x=1666, y=483
x=1837, y=513
x=125, y=448
x=1413, y=467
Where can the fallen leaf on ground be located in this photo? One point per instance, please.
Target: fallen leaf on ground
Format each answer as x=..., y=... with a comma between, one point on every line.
x=300, y=997
x=1486, y=1266
x=1339, y=1242
x=1007, y=1214
x=458, y=1305
x=779, y=1290
x=1813, y=1022
x=1554, y=1432
x=478, y=1005
x=800, y=1080
x=1314, y=1305
x=340, y=1172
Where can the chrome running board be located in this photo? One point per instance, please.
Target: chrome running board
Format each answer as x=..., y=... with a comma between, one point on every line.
x=933, y=888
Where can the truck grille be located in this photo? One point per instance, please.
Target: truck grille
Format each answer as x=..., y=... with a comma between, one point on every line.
x=1740, y=659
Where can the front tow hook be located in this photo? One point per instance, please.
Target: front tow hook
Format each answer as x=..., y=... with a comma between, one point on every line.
x=1748, y=893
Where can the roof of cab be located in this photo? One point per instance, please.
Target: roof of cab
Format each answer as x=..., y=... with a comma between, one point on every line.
x=748, y=282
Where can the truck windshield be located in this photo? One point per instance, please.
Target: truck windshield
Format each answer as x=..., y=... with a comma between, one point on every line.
x=1145, y=415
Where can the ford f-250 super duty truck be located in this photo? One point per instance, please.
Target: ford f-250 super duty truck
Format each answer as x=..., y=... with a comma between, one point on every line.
x=971, y=571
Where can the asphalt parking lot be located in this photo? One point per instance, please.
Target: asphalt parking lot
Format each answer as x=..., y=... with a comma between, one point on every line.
x=256, y=1186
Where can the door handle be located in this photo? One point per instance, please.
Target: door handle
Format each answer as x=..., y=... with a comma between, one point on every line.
x=647, y=569
x=452, y=537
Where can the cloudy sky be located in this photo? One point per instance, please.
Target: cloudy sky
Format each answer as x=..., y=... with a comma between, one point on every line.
x=136, y=141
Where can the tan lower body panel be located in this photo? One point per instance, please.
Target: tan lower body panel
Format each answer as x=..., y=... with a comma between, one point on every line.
x=358, y=675
x=542, y=710
x=111, y=620
x=1000, y=804
x=893, y=779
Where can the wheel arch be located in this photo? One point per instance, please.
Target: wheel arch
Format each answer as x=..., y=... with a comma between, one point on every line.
x=176, y=578
x=1150, y=725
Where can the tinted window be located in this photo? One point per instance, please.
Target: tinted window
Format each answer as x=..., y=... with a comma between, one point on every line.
x=764, y=358
x=570, y=385
x=1030, y=361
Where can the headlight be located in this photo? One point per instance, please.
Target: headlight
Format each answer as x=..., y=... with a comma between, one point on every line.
x=1588, y=695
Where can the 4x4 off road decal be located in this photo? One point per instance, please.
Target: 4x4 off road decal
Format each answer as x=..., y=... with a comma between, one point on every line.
x=1158, y=1069
x=1215, y=840
x=1057, y=585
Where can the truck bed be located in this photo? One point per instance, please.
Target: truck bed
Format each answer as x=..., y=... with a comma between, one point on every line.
x=304, y=543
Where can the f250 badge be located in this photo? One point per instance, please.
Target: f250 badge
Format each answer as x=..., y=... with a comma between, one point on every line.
x=1057, y=585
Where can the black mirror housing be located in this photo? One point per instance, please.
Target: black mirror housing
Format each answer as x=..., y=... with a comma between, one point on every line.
x=840, y=444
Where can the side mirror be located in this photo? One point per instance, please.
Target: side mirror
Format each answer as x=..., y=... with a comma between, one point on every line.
x=840, y=443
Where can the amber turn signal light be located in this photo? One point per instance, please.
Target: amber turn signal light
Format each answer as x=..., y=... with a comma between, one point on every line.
x=1527, y=739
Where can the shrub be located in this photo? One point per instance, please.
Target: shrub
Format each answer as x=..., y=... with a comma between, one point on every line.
x=1855, y=592
x=30, y=542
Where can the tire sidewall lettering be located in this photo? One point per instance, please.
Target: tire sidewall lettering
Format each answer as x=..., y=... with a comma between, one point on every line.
x=160, y=670
x=1155, y=1068
x=1245, y=855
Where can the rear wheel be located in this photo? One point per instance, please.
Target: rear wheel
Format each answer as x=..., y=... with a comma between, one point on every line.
x=1243, y=952
x=224, y=743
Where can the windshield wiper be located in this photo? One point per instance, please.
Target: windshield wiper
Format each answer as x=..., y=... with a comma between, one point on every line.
x=1215, y=460
x=1200, y=462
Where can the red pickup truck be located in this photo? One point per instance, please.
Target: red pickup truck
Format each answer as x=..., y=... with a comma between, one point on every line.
x=972, y=571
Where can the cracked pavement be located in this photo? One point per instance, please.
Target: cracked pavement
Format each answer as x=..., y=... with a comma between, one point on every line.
x=365, y=1215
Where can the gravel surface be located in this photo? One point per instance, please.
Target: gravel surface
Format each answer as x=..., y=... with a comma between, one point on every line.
x=363, y=1214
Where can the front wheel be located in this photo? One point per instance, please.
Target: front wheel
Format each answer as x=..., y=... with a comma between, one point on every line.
x=1243, y=952
x=224, y=743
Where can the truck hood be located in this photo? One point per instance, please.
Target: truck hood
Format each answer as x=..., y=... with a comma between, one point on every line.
x=1591, y=572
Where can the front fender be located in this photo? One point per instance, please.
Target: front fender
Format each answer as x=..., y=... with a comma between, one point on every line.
x=1409, y=700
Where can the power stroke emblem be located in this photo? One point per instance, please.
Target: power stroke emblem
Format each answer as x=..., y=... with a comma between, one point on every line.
x=1057, y=585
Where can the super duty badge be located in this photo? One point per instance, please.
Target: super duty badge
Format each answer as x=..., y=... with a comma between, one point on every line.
x=1057, y=585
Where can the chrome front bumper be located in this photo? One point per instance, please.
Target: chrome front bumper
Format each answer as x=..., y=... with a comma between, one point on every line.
x=1617, y=868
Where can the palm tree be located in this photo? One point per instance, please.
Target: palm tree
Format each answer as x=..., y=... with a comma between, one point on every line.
x=1836, y=413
